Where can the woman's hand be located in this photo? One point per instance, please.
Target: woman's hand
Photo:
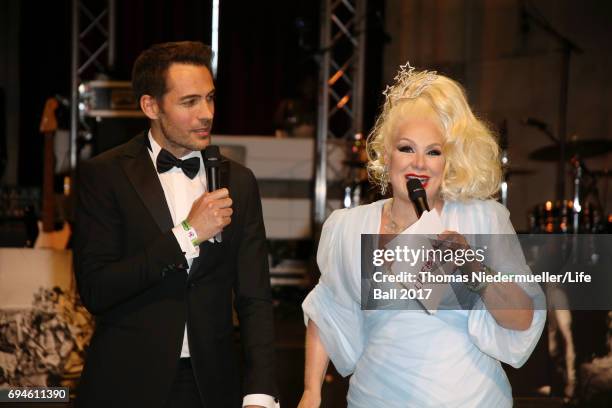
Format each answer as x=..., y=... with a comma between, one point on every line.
x=507, y=302
x=315, y=367
x=310, y=399
x=453, y=240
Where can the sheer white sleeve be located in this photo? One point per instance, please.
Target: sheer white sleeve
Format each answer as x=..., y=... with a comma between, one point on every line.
x=334, y=304
x=510, y=346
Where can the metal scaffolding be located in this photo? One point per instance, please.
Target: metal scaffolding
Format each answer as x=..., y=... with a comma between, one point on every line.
x=341, y=76
x=93, y=45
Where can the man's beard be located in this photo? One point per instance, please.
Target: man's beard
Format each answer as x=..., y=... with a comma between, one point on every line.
x=186, y=142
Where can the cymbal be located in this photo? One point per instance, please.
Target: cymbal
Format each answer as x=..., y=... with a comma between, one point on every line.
x=515, y=171
x=582, y=148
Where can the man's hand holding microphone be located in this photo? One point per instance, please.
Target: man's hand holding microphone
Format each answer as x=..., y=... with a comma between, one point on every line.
x=210, y=213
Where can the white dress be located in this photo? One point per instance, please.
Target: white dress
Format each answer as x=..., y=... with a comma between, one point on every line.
x=408, y=358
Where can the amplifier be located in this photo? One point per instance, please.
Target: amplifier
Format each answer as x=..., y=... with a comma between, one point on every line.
x=103, y=98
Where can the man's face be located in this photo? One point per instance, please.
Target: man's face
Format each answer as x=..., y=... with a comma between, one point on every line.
x=185, y=112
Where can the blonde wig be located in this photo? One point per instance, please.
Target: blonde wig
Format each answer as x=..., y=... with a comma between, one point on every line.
x=472, y=167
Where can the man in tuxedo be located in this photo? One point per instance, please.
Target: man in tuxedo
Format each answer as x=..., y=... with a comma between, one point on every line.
x=148, y=265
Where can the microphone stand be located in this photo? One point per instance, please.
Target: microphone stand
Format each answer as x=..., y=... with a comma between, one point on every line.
x=567, y=47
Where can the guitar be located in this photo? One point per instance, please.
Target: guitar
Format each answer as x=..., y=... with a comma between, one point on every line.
x=48, y=236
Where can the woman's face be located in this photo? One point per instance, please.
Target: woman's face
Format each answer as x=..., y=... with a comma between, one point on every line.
x=415, y=151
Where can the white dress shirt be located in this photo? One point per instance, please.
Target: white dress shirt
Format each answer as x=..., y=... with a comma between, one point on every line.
x=180, y=192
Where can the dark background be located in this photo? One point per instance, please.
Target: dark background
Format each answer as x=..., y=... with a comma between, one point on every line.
x=265, y=50
x=509, y=65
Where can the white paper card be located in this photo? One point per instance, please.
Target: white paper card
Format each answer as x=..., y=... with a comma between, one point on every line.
x=427, y=227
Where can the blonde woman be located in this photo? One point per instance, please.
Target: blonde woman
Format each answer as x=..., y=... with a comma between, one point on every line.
x=409, y=358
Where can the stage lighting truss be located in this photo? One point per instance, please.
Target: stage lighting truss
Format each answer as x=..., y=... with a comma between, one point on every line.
x=341, y=76
x=93, y=52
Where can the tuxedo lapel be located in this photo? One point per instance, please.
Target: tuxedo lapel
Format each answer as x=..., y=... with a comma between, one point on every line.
x=139, y=169
x=142, y=174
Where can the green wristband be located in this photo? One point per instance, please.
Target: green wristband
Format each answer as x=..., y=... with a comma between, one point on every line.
x=191, y=233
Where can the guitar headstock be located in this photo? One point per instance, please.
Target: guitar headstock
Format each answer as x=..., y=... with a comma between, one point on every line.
x=48, y=122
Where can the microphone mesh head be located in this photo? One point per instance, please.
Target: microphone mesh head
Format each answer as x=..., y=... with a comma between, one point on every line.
x=212, y=153
x=415, y=189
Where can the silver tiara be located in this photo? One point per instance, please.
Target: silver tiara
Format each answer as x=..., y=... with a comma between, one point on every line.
x=409, y=83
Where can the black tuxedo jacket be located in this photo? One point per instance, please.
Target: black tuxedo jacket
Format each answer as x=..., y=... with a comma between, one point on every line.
x=131, y=274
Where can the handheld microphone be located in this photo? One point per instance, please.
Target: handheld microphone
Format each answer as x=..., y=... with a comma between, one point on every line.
x=212, y=163
x=417, y=195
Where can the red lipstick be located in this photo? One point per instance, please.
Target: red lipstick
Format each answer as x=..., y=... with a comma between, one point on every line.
x=422, y=177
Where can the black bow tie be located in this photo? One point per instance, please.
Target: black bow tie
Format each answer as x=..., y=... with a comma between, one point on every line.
x=166, y=161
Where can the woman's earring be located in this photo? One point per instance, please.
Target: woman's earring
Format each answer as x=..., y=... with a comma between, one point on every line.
x=385, y=178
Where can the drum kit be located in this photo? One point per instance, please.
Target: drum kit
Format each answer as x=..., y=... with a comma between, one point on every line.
x=584, y=212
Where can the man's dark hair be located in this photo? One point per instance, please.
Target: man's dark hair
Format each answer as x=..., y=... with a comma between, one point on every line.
x=151, y=66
